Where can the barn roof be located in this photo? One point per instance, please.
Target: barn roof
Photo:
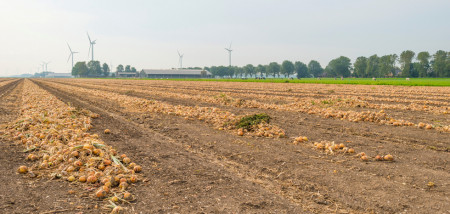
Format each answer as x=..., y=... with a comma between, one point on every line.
x=53, y=75
x=121, y=73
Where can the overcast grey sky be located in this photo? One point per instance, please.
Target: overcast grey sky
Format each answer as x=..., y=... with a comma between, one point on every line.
x=147, y=34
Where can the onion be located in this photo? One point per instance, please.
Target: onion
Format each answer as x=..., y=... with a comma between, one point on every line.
x=127, y=196
x=107, y=162
x=114, y=199
x=22, y=169
x=100, y=193
x=123, y=185
x=388, y=158
x=133, y=179
x=117, y=210
x=78, y=163
x=92, y=179
x=123, y=180
x=131, y=165
x=126, y=160
x=137, y=168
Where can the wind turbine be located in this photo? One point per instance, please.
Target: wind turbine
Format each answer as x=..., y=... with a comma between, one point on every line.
x=91, y=46
x=229, y=53
x=45, y=63
x=71, y=54
x=181, y=59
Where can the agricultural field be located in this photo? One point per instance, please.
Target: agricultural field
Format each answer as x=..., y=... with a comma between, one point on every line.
x=160, y=146
x=352, y=81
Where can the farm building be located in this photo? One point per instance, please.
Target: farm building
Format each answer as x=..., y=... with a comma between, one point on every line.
x=175, y=73
x=58, y=75
x=127, y=74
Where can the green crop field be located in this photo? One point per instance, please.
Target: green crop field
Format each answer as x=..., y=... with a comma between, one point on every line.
x=355, y=81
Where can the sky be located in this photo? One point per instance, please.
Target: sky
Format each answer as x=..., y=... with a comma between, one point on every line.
x=147, y=34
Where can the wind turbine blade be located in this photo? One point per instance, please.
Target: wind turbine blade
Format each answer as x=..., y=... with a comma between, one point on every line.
x=230, y=45
x=178, y=53
x=69, y=47
x=69, y=56
x=89, y=37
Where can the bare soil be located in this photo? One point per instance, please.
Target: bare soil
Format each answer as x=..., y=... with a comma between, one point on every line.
x=189, y=167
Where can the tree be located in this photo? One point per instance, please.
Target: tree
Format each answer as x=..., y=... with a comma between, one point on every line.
x=249, y=70
x=424, y=61
x=105, y=69
x=372, y=66
x=415, y=68
x=230, y=71
x=128, y=68
x=274, y=69
x=94, y=68
x=393, y=60
x=80, y=69
x=315, y=68
x=385, y=66
x=360, y=66
x=439, y=65
x=301, y=69
x=133, y=69
x=287, y=68
x=119, y=68
x=339, y=67
x=406, y=62
x=237, y=71
x=261, y=69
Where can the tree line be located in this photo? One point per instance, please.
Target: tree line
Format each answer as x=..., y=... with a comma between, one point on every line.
x=93, y=69
x=405, y=65
x=90, y=69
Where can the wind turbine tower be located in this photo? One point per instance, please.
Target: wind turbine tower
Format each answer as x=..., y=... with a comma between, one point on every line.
x=229, y=53
x=71, y=54
x=181, y=59
x=45, y=63
x=91, y=46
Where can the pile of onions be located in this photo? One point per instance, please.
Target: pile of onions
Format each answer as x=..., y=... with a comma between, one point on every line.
x=59, y=145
